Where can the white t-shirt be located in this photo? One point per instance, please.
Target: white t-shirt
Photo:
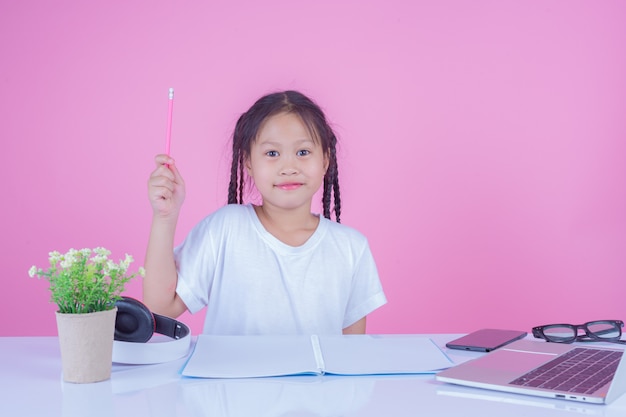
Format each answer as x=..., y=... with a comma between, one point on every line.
x=252, y=283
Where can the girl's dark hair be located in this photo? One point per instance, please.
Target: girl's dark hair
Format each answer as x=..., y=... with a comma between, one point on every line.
x=247, y=130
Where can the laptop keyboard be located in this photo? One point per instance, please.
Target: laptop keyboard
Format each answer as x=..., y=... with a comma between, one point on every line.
x=579, y=371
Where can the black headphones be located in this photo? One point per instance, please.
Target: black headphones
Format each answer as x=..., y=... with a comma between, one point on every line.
x=135, y=325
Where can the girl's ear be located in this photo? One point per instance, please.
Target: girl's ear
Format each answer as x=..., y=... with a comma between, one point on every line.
x=246, y=163
x=326, y=162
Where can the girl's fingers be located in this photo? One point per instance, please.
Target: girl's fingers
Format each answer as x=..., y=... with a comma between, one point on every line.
x=166, y=167
x=157, y=186
x=177, y=177
x=166, y=188
x=163, y=159
x=162, y=175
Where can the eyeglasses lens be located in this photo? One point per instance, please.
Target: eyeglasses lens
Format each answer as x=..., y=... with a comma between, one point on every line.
x=604, y=329
x=559, y=333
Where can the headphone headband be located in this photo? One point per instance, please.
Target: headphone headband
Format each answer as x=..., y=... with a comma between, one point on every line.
x=170, y=327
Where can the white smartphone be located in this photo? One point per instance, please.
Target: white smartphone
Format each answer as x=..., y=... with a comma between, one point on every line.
x=486, y=340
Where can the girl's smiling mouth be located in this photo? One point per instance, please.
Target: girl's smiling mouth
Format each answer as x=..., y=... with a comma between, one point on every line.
x=288, y=186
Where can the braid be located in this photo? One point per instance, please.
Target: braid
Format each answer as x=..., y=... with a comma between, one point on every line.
x=235, y=188
x=331, y=182
x=232, y=186
x=337, y=198
x=241, y=181
x=326, y=195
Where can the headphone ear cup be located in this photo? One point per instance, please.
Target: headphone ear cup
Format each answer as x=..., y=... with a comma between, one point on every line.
x=134, y=321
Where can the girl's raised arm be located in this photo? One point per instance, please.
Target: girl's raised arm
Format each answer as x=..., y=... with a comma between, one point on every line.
x=166, y=191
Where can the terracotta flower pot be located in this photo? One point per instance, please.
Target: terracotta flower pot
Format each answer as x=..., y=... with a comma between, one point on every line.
x=86, y=342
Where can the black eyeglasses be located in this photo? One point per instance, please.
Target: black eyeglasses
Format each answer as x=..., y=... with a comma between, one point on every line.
x=595, y=331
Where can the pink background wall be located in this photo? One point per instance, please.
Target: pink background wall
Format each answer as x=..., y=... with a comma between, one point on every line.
x=483, y=143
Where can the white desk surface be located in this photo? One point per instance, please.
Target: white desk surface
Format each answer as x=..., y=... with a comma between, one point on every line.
x=31, y=385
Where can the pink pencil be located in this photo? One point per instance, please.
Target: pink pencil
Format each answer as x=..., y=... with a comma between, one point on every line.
x=168, y=140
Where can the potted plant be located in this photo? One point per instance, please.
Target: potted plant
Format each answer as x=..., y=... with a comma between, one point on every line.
x=85, y=284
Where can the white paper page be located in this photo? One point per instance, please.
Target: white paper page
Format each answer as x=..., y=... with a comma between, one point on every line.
x=382, y=354
x=250, y=356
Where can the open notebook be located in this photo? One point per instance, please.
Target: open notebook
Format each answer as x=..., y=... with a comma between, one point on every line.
x=570, y=372
x=264, y=356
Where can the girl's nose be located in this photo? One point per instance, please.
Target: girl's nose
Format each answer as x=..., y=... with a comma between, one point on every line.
x=290, y=166
x=289, y=170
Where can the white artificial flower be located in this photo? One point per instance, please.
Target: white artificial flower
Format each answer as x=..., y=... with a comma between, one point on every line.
x=110, y=267
x=32, y=271
x=54, y=257
x=98, y=259
x=102, y=251
x=126, y=262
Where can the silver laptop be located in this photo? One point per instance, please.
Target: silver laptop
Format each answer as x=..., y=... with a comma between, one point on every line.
x=544, y=369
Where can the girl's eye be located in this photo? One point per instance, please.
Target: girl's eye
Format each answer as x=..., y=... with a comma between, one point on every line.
x=271, y=153
x=303, y=152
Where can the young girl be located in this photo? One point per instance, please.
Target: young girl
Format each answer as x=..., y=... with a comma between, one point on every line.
x=273, y=268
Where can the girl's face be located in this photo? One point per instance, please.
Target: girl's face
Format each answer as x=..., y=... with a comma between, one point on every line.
x=286, y=164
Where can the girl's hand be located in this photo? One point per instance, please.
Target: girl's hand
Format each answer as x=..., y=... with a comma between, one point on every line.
x=166, y=188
